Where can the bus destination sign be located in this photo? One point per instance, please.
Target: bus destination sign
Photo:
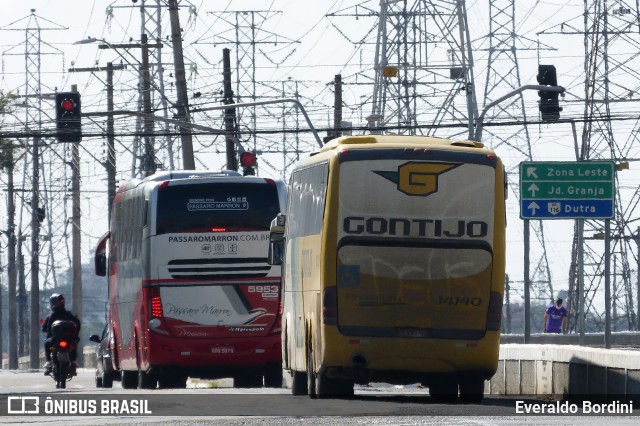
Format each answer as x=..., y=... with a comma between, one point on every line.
x=567, y=190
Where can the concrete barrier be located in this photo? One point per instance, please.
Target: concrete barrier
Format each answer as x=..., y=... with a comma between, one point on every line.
x=566, y=370
x=595, y=340
x=24, y=362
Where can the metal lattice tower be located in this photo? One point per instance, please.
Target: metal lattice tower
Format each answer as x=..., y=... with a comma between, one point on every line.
x=428, y=43
x=611, y=38
x=245, y=32
x=151, y=25
x=52, y=170
x=610, y=32
x=43, y=170
x=423, y=68
x=151, y=20
x=503, y=76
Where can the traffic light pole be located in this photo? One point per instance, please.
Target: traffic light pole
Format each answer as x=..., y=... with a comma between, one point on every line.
x=480, y=122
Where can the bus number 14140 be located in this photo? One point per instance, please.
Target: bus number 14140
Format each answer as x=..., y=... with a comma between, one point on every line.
x=456, y=300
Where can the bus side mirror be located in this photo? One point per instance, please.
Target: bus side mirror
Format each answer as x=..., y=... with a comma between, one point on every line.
x=276, y=251
x=101, y=264
x=100, y=257
x=276, y=240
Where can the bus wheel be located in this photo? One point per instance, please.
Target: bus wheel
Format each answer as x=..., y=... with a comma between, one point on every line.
x=327, y=387
x=445, y=390
x=298, y=383
x=129, y=379
x=471, y=390
x=169, y=379
x=311, y=376
x=107, y=379
x=247, y=379
x=147, y=380
x=273, y=376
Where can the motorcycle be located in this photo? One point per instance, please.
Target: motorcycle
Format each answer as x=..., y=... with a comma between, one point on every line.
x=63, y=342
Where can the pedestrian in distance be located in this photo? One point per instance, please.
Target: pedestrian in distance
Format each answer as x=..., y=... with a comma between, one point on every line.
x=555, y=318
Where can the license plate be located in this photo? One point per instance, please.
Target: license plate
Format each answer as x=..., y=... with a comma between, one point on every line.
x=63, y=356
x=222, y=350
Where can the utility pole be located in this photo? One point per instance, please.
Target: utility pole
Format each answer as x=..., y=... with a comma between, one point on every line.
x=507, y=295
x=182, y=105
x=111, y=152
x=229, y=113
x=11, y=267
x=22, y=300
x=76, y=257
x=337, y=106
x=149, y=139
x=337, y=110
x=34, y=340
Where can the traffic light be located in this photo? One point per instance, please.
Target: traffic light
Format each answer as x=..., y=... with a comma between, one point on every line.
x=68, y=122
x=248, y=163
x=548, y=104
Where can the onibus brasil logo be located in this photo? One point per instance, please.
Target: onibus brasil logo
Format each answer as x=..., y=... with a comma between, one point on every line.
x=417, y=179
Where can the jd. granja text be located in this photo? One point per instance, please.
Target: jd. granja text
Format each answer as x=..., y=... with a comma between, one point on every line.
x=414, y=227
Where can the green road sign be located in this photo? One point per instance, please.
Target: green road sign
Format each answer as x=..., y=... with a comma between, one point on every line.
x=567, y=190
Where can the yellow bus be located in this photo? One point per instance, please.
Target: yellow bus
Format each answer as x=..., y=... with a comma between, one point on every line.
x=393, y=266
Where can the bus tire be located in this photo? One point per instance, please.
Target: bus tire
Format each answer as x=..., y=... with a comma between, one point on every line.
x=273, y=376
x=298, y=383
x=328, y=387
x=311, y=376
x=444, y=390
x=247, y=379
x=171, y=379
x=107, y=379
x=147, y=380
x=129, y=379
x=471, y=390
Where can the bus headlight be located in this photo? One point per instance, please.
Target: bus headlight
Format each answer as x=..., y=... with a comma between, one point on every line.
x=154, y=323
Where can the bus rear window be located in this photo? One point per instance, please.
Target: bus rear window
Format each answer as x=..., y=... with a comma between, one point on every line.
x=216, y=206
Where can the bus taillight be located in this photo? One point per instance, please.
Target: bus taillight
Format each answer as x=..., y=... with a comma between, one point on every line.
x=156, y=307
x=156, y=321
x=494, y=316
x=330, y=306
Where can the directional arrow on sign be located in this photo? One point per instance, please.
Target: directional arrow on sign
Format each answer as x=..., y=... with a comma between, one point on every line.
x=533, y=206
x=531, y=172
x=533, y=188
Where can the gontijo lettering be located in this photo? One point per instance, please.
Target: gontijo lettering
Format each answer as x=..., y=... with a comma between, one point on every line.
x=414, y=227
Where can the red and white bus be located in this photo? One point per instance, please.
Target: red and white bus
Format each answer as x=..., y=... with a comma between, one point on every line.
x=190, y=290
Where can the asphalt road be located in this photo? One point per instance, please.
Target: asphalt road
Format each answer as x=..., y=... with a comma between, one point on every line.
x=216, y=402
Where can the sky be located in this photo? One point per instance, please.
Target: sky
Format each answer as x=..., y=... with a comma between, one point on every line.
x=298, y=43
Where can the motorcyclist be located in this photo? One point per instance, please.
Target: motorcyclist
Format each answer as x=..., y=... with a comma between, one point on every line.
x=58, y=312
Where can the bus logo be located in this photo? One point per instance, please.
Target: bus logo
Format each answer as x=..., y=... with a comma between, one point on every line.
x=417, y=179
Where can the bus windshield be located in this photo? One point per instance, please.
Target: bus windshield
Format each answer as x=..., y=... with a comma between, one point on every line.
x=221, y=207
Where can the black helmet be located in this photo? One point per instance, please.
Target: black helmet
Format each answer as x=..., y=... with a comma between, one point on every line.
x=56, y=301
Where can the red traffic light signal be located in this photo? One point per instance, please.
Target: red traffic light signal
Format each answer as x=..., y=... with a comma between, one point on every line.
x=248, y=162
x=67, y=105
x=247, y=159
